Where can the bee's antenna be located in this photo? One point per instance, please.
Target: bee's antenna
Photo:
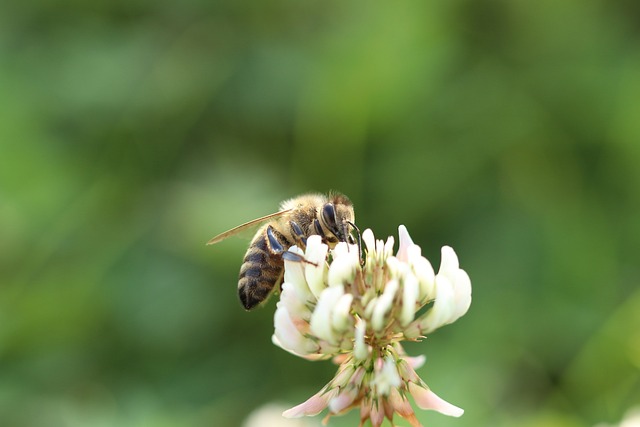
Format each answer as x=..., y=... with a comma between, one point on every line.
x=362, y=260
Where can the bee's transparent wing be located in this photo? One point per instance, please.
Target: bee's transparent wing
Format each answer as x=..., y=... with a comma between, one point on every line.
x=235, y=230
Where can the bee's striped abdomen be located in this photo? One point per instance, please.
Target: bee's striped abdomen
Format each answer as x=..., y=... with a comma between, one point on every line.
x=261, y=270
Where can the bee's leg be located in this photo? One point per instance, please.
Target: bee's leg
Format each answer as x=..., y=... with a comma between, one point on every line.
x=317, y=227
x=359, y=242
x=277, y=248
x=298, y=235
x=294, y=257
x=274, y=244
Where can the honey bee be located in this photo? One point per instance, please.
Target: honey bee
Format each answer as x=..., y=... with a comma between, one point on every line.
x=329, y=216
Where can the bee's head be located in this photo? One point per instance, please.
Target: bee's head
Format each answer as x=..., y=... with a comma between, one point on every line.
x=336, y=218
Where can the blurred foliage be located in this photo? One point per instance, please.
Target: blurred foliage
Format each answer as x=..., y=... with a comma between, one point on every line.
x=131, y=132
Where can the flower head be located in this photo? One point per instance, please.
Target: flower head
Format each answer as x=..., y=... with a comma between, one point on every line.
x=333, y=307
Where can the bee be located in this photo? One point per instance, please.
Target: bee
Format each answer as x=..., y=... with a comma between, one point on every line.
x=329, y=216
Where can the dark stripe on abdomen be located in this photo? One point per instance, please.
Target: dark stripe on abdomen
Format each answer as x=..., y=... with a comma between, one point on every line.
x=260, y=272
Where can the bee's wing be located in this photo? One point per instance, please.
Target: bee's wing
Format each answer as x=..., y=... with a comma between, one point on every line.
x=235, y=230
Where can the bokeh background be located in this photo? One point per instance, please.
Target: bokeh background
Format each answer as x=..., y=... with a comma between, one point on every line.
x=133, y=131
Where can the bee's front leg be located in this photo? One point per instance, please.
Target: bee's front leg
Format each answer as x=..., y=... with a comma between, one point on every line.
x=298, y=235
x=277, y=248
x=317, y=228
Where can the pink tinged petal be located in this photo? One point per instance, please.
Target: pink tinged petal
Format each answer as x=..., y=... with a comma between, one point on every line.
x=340, y=359
x=315, y=269
x=412, y=420
x=410, y=293
x=402, y=407
x=285, y=318
x=388, y=409
x=365, y=410
x=312, y=406
x=406, y=371
x=399, y=404
x=426, y=399
x=378, y=364
x=405, y=243
x=321, y=325
x=288, y=336
x=343, y=400
x=358, y=375
x=383, y=305
x=377, y=414
x=415, y=362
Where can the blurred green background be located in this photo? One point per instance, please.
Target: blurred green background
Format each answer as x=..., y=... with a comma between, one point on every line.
x=133, y=131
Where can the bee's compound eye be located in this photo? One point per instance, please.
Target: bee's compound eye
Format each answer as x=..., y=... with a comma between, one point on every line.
x=329, y=215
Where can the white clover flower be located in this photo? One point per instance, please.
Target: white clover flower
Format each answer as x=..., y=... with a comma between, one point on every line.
x=630, y=419
x=333, y=307
x=270, y=415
